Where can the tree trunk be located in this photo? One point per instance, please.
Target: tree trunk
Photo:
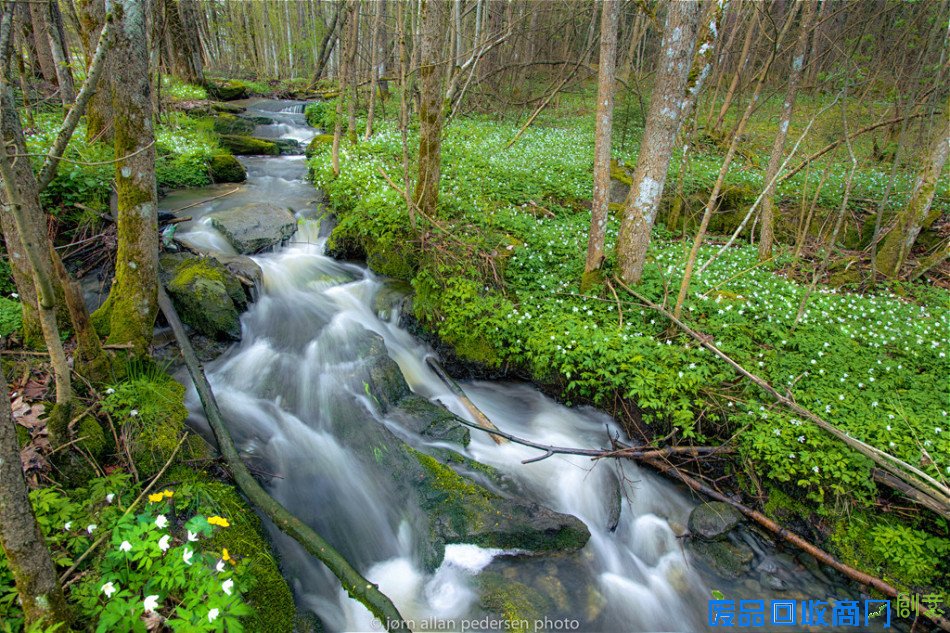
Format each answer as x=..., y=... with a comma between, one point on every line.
x=342, y=79
x=374, y=66
x=434, y=23
x=41, y=595
x=604, y=123
x=39, y=18
x=668, y=107
x=740, y=68
x=351, y=65
x=132, y=303
x=767, y=234
x=22, y=278
x=900, y=240
x=92, y=15
x=60, y=53
x=182, y=28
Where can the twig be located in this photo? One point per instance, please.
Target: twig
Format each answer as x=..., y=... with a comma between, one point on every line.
x=195, y=204
x=459, y=393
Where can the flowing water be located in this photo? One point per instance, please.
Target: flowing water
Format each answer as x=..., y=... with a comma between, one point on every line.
x=291, y=386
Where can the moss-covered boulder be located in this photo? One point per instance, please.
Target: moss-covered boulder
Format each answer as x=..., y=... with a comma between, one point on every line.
x=230, y=108
x=227, y=90
x=208, y=297
x=254, y=227
x=318, y=141
x=289, y=146
x=430, y=420
x=226, y=168
x=226, y=123
x=726, y=559
x=248, y=145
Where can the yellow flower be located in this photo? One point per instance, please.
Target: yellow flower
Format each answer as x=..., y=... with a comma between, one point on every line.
x=216, y=520
x=168, y=494
x=156, y=497
x=225, y=555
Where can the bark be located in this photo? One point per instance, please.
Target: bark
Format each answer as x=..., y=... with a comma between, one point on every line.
x=328, y=42
x=767, y=232
x=910, y=220
x=39, y=19
x=92, y=18
x=602, y=138
x=41, y=595
x=353, y=582
x=434, y=24
x=182, y=33
x=60, y=53
x=673, y=96
x=131, y=306
x=342, y=77
x=22, y=278
x=351, y=65
x=404, y=91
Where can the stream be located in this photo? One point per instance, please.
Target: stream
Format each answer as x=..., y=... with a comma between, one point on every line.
x=287, y=391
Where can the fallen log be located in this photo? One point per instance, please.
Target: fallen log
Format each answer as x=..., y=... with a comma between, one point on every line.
x=457, y=391
x=353, y=582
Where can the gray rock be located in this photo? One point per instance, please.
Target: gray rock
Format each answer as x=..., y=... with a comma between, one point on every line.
x=254, y=227
x=207, y=296
x=712, y=521
x=724, y=558
x=245, y=269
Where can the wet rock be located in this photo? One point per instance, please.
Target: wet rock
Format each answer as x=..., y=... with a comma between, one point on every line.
x=430, y=420
x=388, y=301
x=227, y=90
x=511, y=602
x=226, y=123
x=713, y=520
x=254, y=227
x=230, y=108
x=226, y=168
x=207, y=296
x=724, y=558
x=288, y=146
x=249, y=145
x=246, y=270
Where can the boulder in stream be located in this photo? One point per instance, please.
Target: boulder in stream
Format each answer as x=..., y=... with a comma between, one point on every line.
x=226, y=168
x=254, y=227
x=713, y=520
x=249, y=145
x=207, y=296
x=227, y=90
x=226, y=123
x=461, y=500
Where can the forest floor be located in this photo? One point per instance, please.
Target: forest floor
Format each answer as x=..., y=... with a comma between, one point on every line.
x=496, y=278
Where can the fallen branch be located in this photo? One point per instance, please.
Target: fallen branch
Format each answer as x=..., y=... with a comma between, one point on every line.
x=791, y=537
x=920, y=487
x=457, y=391
x=353, y=582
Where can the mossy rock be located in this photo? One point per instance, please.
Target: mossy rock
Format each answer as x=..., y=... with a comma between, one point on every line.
x=727, y=559
x=288, y=146
x=208, y=297
x=253, y=227
x=226, y=123
x=513, y=602
x=431, y=420
x=226, y=168
x=229, y=108
x=317, y=142
x=227, y=90
x=249, y=145
x=713, y=520
x=270, y=598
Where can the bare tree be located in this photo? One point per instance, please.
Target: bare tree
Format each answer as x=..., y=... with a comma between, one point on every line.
x=602, y=138
x=434, y=25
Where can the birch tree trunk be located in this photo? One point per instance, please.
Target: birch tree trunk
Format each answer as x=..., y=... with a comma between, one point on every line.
x=767, y=232
x=434, y=25
x=669, y=105
x=41, y=595
x=605, y=111
x=132, y=303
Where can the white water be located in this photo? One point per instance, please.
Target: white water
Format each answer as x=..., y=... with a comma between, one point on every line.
x=294, y=384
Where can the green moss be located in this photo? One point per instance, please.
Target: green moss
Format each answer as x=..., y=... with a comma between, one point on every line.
x=207, y=296
x=226, y=123
x=96, y=441
x=518, y=604
x=227, y=90
x=270, y=597
x=226, y=168
x=319, y=141
x=620, y=173
x=239, y=144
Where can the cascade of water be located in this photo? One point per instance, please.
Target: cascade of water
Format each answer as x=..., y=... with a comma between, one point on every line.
x=288, y=392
